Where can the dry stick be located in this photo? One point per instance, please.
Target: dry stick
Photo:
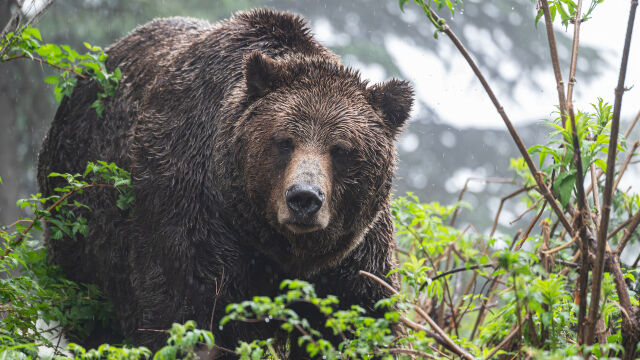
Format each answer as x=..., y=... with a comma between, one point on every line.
x=561, y=247
x=494, y=283
x=506, y=340
x=466, y=186
x=626, y=135
x=626, y=163
x=418, y=327
x=530, y=208
x=531, y=225
x=502, y=201
x=596, y=196
x=475, y=275
x=554, y=58
x=544, y=190
x=444, y=337
x=411, y=352
x=598, y=269
x=583, y=211
x=628, y=233
x=620, y=227
x=457, y=270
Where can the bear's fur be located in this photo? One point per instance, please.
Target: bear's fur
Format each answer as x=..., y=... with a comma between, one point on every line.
x=219, y=124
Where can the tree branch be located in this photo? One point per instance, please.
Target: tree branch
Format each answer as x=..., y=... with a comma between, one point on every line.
x=42, y=61
x=555, y=62
x=544, y=190
x=598, y=269
x=444, y=337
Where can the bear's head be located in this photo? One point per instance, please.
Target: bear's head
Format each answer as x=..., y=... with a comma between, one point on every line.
x=319, y=152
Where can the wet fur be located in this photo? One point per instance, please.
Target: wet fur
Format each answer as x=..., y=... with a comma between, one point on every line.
x=190, y=125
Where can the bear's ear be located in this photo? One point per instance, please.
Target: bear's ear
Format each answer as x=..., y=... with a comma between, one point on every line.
x=394, y=99
x=260, y=74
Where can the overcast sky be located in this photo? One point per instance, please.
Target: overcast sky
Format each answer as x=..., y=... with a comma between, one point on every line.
x=459, y=99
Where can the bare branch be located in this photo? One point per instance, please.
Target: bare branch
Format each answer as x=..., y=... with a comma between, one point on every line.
x=544, y=190
x=628, y=233
x=555, y=62
x=457, y=349
x=598, y=269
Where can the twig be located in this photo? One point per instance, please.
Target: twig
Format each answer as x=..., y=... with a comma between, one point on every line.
x=515, y=331
x=42, y=61
x=626, y=135
x=531, y=225
x=215, y=297
x=20, y=238
x=598, y=269
x=411, y=352
x=632, y=153
x=494, y=283
x=628, y=233
x=544, y=190
x=620, y=227
x=525, y=212
x=466, y=186
x=596, y=196
x=502, y=201
x=444, y=337
x=547, y=257
x=583, y=212
x=555, y=62
x=457, y=270
x=16, y=18
x=561, y=247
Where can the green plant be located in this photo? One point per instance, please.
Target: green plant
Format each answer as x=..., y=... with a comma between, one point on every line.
x=26, y=42
x=31, y=289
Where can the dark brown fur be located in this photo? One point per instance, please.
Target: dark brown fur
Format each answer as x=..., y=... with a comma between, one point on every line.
x=197, y=120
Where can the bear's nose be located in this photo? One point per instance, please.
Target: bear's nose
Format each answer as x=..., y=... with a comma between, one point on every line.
x=304, y=200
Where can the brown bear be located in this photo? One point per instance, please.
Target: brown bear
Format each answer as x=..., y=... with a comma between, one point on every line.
x=255, y=156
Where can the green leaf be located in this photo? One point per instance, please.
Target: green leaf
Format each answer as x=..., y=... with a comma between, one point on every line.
x=31, y=32
x=601, y=164
x=563, y=186
x=52, y=79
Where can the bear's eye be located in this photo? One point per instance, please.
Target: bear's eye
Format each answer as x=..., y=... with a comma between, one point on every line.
x=339, y=151
x=284, y=145
x=342, y=156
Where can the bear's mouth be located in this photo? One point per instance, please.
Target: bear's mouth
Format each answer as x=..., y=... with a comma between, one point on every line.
x=299, y=227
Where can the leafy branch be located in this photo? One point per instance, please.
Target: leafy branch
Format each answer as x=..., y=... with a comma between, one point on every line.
x=26, y=43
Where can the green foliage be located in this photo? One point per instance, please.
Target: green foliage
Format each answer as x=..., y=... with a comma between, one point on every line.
x=362, y=336
x=425, y=6
x=593, y=133
x=182, y=343
x=567, y=10
x=31, y=288
x=26, y=42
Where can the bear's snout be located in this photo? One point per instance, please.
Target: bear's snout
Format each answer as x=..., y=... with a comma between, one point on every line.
x=304, y=201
